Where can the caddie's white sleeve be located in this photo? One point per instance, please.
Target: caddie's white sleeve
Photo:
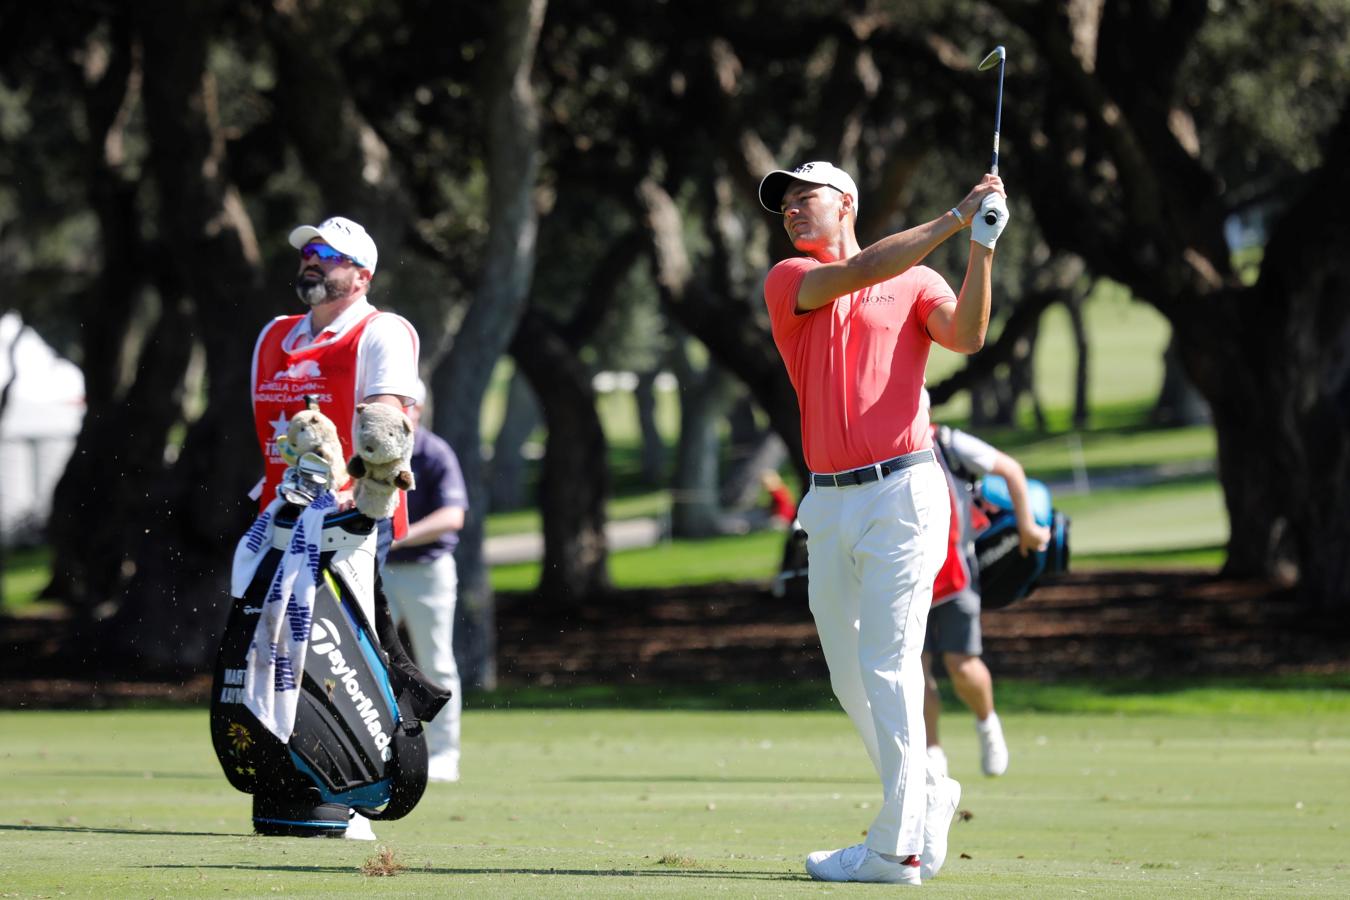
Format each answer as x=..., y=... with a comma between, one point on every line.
x=973, y=454
x=387, y=358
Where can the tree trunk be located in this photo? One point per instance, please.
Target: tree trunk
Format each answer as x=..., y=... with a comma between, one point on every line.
x=119, y=454
x=1179, y=403
x=340, y=150
x=171, y=616
x=705, y=398
x=653, y=459
x=1113, y=181
x=742, y=486
x=507, y=489
x=461, y=379
x=575, y=479
x=1280, y=399
x=1074, y=304
x=733, y=327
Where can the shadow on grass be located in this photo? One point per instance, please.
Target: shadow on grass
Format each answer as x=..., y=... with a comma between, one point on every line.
x=130, y=832
x=709, y=780
x=1180, y=695
x=657, y=871
x=131, y=774
x=793, y=696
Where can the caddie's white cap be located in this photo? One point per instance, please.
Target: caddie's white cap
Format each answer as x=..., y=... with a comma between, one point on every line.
x=344, y=236
x=775, y=184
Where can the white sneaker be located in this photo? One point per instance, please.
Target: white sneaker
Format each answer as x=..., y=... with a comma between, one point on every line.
x=993, y=749
x=937, y=761
x=944, y=795
x=860, y=863
x=443, y=767
x=358, y=828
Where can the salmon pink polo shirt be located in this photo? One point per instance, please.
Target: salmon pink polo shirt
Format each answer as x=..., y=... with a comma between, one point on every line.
x=857, y=364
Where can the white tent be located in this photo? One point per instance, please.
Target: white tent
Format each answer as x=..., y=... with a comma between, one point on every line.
x=38, y=429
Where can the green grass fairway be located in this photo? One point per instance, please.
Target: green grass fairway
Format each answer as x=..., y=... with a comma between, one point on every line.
x=1230, y=798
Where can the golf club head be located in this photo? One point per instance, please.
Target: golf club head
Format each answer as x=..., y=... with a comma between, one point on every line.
x=996, y=56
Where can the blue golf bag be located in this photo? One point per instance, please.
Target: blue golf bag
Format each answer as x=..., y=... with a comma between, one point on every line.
x=1005, y=575
x=357, y=740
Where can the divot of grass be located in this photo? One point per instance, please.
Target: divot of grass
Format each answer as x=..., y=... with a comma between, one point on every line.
x=384, y=864
x=677, y=861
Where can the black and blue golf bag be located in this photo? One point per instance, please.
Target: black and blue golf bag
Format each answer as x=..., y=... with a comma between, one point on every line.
x=1005, y=574
x=357, y=740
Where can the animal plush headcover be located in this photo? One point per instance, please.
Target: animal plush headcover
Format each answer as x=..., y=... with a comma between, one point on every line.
x=382, y=436
x=310, y=431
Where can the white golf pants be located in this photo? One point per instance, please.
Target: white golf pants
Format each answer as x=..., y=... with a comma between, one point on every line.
x=874, y=551
x=422, y=598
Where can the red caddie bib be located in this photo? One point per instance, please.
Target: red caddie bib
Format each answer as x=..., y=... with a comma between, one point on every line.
x=955, y=575
x=282, y=378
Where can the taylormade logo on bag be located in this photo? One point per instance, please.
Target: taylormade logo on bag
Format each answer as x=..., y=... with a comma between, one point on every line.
x=995, y=552
x=324, y=640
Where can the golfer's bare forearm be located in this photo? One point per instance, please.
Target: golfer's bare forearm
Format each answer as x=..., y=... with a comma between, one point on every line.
x=874, y=264
x=971, y=323
x=961, y=326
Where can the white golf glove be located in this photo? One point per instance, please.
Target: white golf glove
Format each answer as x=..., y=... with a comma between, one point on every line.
x=981, y=232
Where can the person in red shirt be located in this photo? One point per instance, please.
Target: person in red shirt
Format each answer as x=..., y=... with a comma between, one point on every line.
x=854, y=326
x=782, y=508
x=343, y=351
x=954, y=622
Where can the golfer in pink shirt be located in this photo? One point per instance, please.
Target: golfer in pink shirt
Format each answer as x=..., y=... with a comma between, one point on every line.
x=854, y=326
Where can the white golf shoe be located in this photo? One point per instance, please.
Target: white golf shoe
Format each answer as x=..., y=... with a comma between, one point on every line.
x=944, y=795
x=993, y=748
x=358, y=828
x=861, y=863
x=443, y=767
x=937, y=761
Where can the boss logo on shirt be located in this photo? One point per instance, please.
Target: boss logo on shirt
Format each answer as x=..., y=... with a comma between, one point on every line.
x=879, y=298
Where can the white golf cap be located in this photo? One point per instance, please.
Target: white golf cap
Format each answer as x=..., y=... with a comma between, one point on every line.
x=775, y=184
x=344, y=236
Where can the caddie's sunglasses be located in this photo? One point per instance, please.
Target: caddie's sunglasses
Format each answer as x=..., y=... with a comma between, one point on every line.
x=322, y=251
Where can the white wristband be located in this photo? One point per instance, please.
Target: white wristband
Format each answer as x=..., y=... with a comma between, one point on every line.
x=960, y=218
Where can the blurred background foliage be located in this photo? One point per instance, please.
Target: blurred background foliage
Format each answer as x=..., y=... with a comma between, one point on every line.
x=564, y=190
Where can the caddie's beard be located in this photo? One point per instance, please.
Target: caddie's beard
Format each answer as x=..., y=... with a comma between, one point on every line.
x=314, y=289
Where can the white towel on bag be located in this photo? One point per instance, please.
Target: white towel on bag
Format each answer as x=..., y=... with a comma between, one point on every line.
x=276, y=657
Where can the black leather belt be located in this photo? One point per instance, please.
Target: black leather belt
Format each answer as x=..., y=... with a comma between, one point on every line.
x=874, y=472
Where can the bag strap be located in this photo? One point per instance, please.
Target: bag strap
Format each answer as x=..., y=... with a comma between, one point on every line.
x=408, y=780
x=419, y=700
x=425, y=697
x=943, y=442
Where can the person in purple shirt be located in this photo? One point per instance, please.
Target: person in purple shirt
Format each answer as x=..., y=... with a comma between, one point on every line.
x=420, y=580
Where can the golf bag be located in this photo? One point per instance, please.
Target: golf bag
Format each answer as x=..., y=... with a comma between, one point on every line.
x=1006, y=575
x=791, y=579
x=357, y=738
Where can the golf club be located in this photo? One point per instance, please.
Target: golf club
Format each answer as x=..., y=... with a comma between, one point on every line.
x=997, y=55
